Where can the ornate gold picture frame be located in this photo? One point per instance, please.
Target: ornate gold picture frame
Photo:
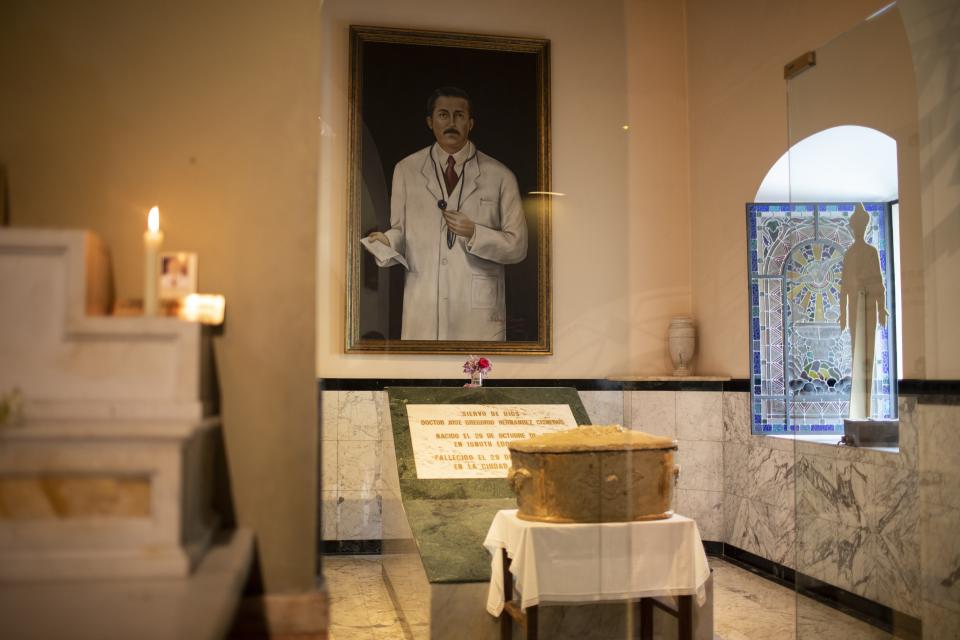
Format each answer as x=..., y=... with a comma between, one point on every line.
x=448, y=220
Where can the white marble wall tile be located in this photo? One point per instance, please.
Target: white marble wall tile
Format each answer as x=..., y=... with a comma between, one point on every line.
x=358, y=516
x=389, y=475
x=853, y=484
x=329, y=465
x=701, y=465
x=631, y=409
x=603, y=407
x=858, y=560
x=627, y=403
x=654, y=412
x=939, y=623
x=895, y=570
x=776, y=472
x=818, y=553
x=806, y=448
x=759, y=473
x=893, y=502
x=732, y=505
x=787, y=444
x=759, y=528
x=833, y=490
x=359, y=416
x=736, y=417
x=940, y=454
x=940, y=546
x=843, y=556
x=706, y=507
x=382, y=401
x=329, y=414
x=358, y=466
x=328, y=514
x=909, y=434
x=700, y=415
x=817, y=487
x=736, y=480
x=873, y=457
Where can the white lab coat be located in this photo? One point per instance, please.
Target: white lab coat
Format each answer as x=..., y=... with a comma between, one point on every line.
x=458, y=293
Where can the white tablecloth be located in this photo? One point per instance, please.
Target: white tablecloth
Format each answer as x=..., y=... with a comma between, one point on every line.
x=595, y=562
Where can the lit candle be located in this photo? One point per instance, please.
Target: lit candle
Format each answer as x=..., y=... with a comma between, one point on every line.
x=152, y=239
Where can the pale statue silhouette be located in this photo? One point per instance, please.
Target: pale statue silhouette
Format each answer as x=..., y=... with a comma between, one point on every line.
x=863, y=305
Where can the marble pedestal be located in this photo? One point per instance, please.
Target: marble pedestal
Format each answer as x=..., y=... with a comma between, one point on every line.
x=111, y=473
x=105, y=499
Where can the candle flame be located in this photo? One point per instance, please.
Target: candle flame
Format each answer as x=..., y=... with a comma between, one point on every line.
x=153, y=219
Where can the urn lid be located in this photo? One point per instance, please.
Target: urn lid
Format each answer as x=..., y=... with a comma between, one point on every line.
x=611, y=437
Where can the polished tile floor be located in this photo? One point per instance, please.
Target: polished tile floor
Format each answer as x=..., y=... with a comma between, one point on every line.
x=746, y=607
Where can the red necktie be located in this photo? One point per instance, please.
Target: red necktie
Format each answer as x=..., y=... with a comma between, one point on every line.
x=450, y=177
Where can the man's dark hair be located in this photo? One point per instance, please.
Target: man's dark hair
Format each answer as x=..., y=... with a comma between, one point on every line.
x=450, y=92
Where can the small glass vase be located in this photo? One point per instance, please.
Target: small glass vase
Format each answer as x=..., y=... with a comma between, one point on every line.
x=476, y=379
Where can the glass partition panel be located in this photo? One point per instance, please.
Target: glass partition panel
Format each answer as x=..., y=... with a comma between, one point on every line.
x=441, y=193
x=852, y=167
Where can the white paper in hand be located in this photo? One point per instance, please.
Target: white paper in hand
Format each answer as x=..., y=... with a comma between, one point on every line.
x=383, y=253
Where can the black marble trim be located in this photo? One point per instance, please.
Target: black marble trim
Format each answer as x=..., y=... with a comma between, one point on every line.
x=931, y=391
x=758, y=565
x=580, y=384
x=737, y=384
x=873, y=613
x=352, y=547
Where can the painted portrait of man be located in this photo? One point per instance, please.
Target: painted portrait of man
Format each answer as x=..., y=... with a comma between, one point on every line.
x=450, y=239
x=456, y=219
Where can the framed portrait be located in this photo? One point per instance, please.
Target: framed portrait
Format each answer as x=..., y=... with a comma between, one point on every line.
x=449, y=193
x=178, y=275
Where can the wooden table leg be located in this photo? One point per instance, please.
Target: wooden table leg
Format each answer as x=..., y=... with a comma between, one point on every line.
x=533, y=616
x=506, y=620
x=646, y=619
x=685, y=618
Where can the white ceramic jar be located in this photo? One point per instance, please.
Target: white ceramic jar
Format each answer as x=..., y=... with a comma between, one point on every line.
x=682, y=340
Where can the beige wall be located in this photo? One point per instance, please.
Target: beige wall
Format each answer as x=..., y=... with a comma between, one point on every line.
x=933, y=28
x=739, y=115
x=738, y=129
x=620, y=263
x=658, y=270
x=865, y=77
x=209, y=110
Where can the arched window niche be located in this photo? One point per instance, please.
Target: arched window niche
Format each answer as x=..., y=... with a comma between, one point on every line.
x=798, y=232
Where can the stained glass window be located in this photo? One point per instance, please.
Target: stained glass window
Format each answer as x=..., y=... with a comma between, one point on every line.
x=800, y=356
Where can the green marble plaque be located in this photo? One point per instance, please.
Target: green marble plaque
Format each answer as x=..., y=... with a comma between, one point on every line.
x=449, y=518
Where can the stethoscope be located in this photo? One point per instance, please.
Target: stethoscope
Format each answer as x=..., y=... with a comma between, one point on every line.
x=441, y=203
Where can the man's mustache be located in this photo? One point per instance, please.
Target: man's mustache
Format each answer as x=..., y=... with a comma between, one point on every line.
x=451, y=130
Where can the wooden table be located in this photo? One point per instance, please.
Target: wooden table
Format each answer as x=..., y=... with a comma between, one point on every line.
x=528, y=619
x=635, y=562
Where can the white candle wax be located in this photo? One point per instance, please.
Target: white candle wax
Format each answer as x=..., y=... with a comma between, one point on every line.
x=152, y=240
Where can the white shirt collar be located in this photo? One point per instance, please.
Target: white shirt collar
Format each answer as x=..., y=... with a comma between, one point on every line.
x=459, y=157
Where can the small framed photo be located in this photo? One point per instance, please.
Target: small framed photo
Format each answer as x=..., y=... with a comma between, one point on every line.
x=178, y=275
